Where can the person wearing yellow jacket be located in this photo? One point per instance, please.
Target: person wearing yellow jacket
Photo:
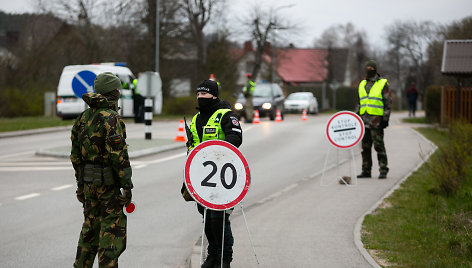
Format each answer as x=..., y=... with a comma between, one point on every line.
x=374, y=107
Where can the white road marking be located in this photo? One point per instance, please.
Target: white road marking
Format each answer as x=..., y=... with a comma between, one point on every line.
x=166, y=158
x=25, y=164
x=23, y=197
x=139, y=167
x=5, y=169
x=290, y=187
x=16, y=154
x=58, y=188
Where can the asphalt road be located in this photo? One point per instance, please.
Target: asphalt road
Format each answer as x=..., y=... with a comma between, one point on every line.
x=41, y=218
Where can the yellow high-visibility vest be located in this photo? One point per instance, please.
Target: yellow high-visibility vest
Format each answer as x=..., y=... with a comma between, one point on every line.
x=211, y=131
x=372, y=103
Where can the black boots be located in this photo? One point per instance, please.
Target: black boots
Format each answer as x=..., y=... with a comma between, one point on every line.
x=363, y=175
x=383, y=175
x=213, y=262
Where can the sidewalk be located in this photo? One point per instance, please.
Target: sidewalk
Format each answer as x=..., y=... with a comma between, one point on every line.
x=309, y=225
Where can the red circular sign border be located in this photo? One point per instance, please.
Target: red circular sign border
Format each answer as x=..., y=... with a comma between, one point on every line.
x=190, y=188
x=338, y=114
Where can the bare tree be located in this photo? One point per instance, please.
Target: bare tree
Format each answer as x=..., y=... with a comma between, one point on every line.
x=261, y=24
x=412, y=39
x=199, y=13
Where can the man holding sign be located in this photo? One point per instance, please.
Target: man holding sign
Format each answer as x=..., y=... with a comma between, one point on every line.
x=215, y=121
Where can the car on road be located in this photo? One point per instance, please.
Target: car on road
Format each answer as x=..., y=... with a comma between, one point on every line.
x=267, y=99
x=299, y=101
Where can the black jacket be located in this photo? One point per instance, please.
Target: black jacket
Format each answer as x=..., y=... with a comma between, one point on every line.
x=229, y=123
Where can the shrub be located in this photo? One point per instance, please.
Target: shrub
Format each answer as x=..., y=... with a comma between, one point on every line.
x=449, y=169
x=433, y=103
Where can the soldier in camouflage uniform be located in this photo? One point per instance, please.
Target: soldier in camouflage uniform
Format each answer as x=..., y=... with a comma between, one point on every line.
x=100, y=158
x=374, y=108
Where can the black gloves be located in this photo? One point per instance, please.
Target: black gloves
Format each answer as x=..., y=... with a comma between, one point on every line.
x=383, y=124
x=80, y=194
x=126, y=197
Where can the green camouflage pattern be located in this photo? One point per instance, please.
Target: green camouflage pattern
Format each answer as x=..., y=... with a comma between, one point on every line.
x=104, y=227
x=375, y=136
x=98, y=137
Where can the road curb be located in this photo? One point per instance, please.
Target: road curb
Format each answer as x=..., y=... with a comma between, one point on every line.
x=132, y=155
x=358, y=226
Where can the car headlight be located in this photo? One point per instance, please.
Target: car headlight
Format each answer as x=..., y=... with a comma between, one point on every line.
x=238, y=106
x=266, y=106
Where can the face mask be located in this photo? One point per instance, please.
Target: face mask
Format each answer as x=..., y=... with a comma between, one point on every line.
x=371, y=73
x=206, y=102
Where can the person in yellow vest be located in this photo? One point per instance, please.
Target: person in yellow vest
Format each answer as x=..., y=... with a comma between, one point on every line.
x=215, y=121
x=248, y=92
x=374, y=107
x=138, y=102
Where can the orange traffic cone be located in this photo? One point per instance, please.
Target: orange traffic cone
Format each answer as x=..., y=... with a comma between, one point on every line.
x=304, y=117
x=181, y=134
x=278, y=117
x=256, y=119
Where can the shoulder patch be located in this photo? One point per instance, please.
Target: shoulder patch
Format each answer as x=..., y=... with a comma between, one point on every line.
x=234, y=121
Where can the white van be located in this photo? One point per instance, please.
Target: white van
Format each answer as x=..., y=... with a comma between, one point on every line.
x=72, y=85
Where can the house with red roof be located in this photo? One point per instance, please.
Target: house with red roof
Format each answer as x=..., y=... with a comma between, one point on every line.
x=299, y=67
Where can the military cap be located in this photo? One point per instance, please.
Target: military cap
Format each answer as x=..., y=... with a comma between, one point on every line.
x=106, y=82
x=372, y=64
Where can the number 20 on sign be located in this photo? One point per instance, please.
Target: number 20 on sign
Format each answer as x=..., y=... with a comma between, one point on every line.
x=217, y=175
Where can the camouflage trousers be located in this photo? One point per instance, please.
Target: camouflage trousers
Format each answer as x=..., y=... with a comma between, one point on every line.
x=375, y=136
x=104, y=227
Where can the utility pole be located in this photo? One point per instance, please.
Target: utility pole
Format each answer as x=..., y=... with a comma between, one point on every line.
x=157, y=36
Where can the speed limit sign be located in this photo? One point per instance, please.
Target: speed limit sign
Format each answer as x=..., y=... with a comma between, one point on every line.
x=217, y=175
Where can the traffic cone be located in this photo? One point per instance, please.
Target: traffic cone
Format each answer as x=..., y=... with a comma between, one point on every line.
x=304, y=117
x=256, y=119
x=181, y=133
x=278, y=117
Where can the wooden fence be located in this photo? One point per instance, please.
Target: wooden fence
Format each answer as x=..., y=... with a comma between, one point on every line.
x=449, y=104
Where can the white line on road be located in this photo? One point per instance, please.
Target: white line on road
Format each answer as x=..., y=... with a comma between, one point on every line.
x=166, y=158
x=23, y=197
x=33, y=168
x=16, y=154
x=25, y=164
x=140, y=166
x=62, y=187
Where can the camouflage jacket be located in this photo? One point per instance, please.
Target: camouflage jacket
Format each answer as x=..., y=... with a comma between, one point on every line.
x=98, y=137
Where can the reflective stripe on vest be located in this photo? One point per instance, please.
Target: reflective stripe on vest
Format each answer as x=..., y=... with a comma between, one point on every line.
x=372, y=103
x=211, y=131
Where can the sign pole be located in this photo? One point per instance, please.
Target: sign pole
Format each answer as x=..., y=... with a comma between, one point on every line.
x=203, y=235
x=249, y=233
x=147, y=118
x=223, y=239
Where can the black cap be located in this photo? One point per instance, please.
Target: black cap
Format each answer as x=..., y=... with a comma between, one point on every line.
x=208, y=86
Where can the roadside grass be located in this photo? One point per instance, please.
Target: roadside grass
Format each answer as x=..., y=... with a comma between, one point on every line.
x=416, y=120
x=421, y=227
x=31, y=122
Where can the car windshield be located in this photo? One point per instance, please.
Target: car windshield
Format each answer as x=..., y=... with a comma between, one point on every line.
x=298, y=97
x=263, y=91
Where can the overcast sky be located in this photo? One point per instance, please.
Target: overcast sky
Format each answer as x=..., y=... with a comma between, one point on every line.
x=313, y=16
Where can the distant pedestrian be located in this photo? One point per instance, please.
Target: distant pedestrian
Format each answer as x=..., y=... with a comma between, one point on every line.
x=138, y=102
x=412, y=95
x=215, y=121
x=99, y=156
x=248, y=92
x=374, y=108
